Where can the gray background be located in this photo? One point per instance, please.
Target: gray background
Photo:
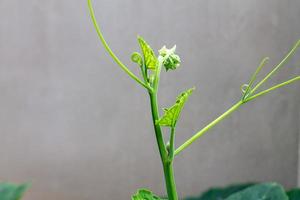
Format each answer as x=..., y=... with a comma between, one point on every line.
x=74, y=125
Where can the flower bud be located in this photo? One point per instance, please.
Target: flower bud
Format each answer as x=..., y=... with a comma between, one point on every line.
x=170, y=59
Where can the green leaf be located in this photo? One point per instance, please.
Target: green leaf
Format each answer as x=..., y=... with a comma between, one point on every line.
x=150, y=60
x=264, y=191
x=143, y=194
x=9, y=191
x=294, y=194
x=171, y=114
x=221, y=193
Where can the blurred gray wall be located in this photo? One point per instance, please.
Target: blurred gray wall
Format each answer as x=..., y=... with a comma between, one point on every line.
x=74, y=125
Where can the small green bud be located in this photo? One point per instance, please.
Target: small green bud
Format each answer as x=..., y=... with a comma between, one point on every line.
x=170, y=59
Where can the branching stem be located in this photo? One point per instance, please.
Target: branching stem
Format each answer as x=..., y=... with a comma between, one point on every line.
x=208, y=127
x=286, y=58
x=273, y=88
x=228, y=112
x=151, y=84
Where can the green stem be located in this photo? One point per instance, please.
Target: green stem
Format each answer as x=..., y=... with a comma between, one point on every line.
x=167, y=165
x=206, y=128
x=286, y=58
x=170, y=181
x=172, y=144
x=251, y=82
x=111, y=53
x=157, y=128
x=228, y=112
x=273, y=88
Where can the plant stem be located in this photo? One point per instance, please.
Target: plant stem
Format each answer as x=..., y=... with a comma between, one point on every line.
x=251, y=82
x=273, y=88
x=206, y=128
x=157, y=128
x=108, y=49
x=167, y=165
x=172, y=144
x=286, y=58
x=228, y=112
x=170, y=181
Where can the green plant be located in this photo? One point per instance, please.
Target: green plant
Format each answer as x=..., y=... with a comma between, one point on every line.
x=151, y=66
x=9, y=191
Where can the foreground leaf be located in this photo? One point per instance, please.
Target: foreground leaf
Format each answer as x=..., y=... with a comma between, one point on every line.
x=143, y=194
x=264, y=191
x=171, y=114
x=221, y=193
x=150, y=59
x=9, y=191
x=294, y=194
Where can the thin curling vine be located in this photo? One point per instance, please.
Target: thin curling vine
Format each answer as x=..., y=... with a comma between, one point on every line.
x=150, y=66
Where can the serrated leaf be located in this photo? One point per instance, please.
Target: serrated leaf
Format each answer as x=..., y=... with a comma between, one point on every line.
x=264, y=191
x=171, y=114
x=150, y=60
x=143, y=194
x=9, y=191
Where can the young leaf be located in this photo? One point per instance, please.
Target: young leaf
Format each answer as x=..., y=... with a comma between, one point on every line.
x=143, y=194
x=171, y=114
x=150, y=59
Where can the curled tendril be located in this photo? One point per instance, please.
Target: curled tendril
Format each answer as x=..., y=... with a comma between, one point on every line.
x=170, y=59
x=247, y=88
x=244, y=88
x=137, y=58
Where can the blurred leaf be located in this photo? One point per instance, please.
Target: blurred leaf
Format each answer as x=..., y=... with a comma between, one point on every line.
x=171, y=114
x=150, y=59
x=9, y=191
x=294, y=194
x=143, y=194
x=264, y=191
x=221, y=193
